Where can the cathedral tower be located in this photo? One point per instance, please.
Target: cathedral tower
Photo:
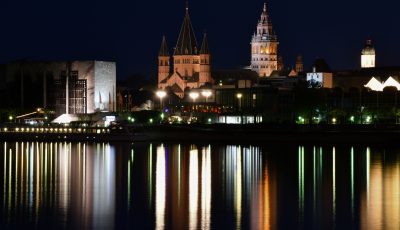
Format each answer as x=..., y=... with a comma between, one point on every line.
x=205, y=68
x=163, y=61
x=191, y=65
x=264, y=47
x=368, y=55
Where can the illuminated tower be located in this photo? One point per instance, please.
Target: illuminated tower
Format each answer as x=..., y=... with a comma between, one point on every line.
x=299, y=64
x=264, y=47
x=190, y=68
x=368, y=55
x=205, y=68
x=163, y=61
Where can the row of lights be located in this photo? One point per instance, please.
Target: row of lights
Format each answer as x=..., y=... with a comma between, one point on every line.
x=53, y=130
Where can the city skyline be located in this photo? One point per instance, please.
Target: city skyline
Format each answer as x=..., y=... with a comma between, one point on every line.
x=130, y=33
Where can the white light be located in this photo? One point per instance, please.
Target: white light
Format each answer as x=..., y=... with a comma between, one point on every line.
x=161, y=94
x=206, y=93
x=239, y=95
x=194, y=95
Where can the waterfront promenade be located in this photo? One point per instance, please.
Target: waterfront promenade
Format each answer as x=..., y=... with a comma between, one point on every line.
x=388, y=134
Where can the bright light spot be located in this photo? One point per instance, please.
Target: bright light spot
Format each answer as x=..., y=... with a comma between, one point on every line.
x=151, y=120
x=161, y=94
x=334, y=120
x=239, y=95
x=10, y=118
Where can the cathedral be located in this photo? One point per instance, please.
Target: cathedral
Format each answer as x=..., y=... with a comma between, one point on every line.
x=191, y=65
x=264, y=47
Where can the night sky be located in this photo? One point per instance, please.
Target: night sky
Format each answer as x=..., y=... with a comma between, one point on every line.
x=130, y=32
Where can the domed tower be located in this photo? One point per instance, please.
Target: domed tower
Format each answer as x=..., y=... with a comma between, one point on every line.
x=368, y=55
x=205, y=66
x=163, y=61
x=264, y=47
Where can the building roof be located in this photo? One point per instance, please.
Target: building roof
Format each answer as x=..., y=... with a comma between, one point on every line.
x=164, y=48
x=204, y=45
x=187, y=44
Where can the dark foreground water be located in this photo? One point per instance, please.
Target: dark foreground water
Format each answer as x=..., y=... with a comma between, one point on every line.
x=198, y=186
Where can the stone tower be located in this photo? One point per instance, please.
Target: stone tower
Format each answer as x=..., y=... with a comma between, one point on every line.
x=368, y=55
x=205, y=68
x=299, y=64
x=163, y=61
x=264, y=47
x=190, y=67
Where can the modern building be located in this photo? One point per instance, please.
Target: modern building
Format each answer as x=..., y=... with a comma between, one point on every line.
x=264, y=47
x=72, y=87
x=191, y=66
x=321, y=75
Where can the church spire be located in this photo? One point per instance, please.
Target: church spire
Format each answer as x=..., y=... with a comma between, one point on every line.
x=164, y=48
x=187, y=44
x=204, y=46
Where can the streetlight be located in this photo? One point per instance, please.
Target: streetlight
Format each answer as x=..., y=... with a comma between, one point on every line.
x=206, y=94
x=239, y=97
x=194, y=96
x=161, y=94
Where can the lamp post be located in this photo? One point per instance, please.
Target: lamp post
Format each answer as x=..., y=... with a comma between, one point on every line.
x=161, y=94
x=239, y=97
x=206, y=94
x=194, y=96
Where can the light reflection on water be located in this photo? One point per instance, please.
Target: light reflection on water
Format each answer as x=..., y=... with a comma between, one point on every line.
x=175, y=186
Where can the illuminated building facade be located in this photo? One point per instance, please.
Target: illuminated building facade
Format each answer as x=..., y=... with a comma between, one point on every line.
x=264, y=47
x=191, y=65
x=73, y=87
x=368, y=55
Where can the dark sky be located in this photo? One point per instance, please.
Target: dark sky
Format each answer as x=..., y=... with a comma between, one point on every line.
x=130, y=32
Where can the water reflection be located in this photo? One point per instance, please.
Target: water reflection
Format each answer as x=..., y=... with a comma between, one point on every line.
x=59, y=180
x=187, y=186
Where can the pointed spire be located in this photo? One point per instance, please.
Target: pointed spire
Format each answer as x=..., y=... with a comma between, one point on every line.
x=204, y=46
x=187, y=6
x=164, y=48
x=187, y=44
x=265, y=7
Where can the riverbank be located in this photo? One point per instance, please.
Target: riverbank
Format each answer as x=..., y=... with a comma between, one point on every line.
x=250, y=133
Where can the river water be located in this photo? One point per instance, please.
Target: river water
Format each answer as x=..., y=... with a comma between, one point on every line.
x=63, y=185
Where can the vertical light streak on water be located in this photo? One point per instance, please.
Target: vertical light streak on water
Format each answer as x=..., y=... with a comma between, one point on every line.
x=206, y=188
x=31, y=163
x=150, y=175
x=5, y=177
x=266, y=199
x=9, y=181
x=16, y=176
x=238, y=186
x=301, y=183
x=129, y=184
x=56, y=166
x=314, y=182
x=84, y=196
x=160, y=188
x=193, y=188
x=38, y=181
x=45, y=168
x=22, y=183
x=352, y=181
x=51, y=172
x=367, y=176
x=334, y=186
x=179, y=175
